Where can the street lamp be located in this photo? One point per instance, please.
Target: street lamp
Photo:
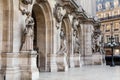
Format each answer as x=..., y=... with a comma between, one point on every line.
x=112, y=44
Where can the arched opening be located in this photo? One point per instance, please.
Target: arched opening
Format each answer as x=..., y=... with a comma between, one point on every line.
x=39, y=35
x=66, y=25
x=42, y=35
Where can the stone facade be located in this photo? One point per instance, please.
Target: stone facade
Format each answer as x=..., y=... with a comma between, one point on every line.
x=58, y=37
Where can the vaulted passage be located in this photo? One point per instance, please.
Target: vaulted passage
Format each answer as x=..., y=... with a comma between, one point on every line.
x=39, y=35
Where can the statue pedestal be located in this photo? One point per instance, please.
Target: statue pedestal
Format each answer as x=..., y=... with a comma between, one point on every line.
x=71, y=61
x=62, y=64
x=28, y=65
x=9, y=66
x=97, y=59
x=76, y=60
x=53, y=65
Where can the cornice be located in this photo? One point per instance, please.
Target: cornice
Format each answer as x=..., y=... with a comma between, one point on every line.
x=70, y=5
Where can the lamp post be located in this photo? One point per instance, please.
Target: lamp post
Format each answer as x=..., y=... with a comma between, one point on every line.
x=112, y=44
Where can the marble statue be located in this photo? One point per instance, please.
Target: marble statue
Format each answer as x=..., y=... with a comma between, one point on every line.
x=93, y=42
x=75, y=24
x=76, y=43
x=63, y=46
x=28, y=35
x=58, y=15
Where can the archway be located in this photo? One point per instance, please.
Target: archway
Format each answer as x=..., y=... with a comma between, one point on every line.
x=42, y=34
x=67, y=27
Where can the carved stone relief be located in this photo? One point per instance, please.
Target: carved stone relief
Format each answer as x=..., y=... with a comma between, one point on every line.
x=25, y=6
x=76, y=43
x=75, y=24
x=63, y=46
x=59, y=13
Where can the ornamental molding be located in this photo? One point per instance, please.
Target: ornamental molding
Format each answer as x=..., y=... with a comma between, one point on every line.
x=59, y=13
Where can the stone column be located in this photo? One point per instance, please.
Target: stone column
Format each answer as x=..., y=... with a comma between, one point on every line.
x=28, y=65
x=71, y=52
x=9, y=66
x=62, y=63
x=53, y=63
x=2, y=75
x=88, y=45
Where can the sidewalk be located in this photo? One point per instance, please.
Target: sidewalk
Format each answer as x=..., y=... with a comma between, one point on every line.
x=85, y=73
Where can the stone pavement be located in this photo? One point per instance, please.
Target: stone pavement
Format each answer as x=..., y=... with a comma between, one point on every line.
x=84, y=73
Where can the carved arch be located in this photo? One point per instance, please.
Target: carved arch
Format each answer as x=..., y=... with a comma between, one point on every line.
x=43, y=33
x=68, y=28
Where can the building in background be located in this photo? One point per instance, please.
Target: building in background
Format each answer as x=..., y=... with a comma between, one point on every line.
x=108, y=12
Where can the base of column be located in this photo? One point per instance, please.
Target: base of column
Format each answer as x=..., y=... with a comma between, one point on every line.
x=61, y=61
x=28, y=65
x=53, y=65
x=88, y=60
x=10, y=66
x=97, y=59
x=76, y=60
x=12, y=74
x=29, y=75
x=72, y=62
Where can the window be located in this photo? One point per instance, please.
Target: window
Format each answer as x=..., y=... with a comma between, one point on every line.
x=107, y=15
x=107, y=5
x=116, y=3
x=116, y=27
x=102, y=28
x=108, y=28
x=116, y=51
x=107, y=38
x=115, y=13
x=99, y=16
x=116, y=38
x=99, y=7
